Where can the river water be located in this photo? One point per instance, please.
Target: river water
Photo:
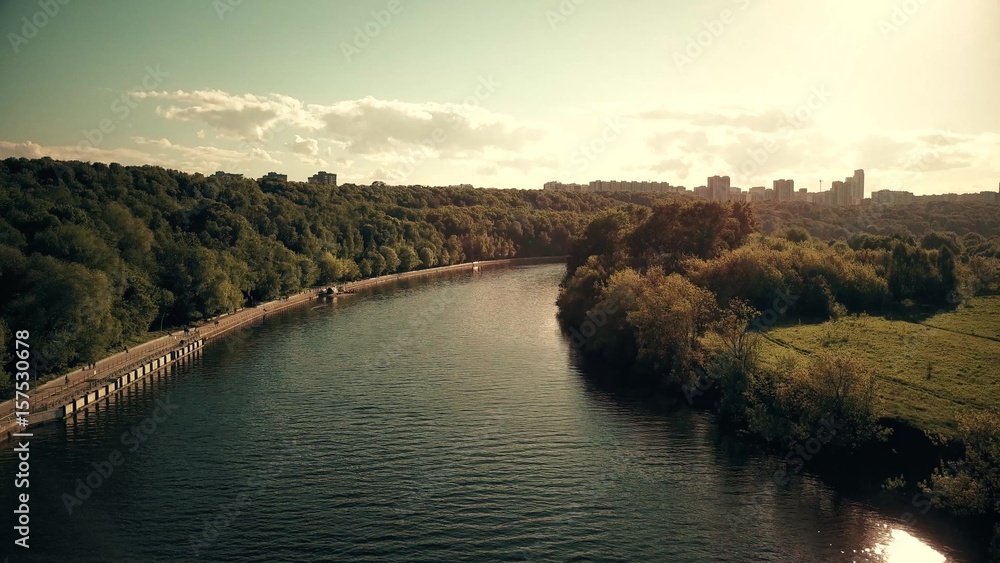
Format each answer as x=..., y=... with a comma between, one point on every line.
x=441, y=420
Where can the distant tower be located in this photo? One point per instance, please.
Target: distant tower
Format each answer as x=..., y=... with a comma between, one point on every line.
x=859, y=187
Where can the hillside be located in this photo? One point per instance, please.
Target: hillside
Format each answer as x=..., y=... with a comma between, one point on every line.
x=94, y=256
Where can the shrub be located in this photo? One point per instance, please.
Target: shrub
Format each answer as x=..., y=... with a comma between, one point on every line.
x=837, y=388
x=972, y=486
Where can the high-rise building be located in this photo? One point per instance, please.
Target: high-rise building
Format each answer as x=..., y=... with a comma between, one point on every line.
x=323, y=179
x=784, y=190
x=858, y=194
x=275, y=177
x=718, y=188
x=840, y=195
x=227, y=176
x=618, y=186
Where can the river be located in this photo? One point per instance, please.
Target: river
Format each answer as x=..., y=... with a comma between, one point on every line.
x=445, y=419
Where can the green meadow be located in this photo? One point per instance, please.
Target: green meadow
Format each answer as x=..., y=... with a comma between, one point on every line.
x=929, y=370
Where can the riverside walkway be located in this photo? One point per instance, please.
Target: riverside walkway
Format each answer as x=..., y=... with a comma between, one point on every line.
x=47, y=401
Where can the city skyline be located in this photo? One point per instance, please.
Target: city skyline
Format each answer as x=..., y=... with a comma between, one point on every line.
x=852, y=191
x=419, y=94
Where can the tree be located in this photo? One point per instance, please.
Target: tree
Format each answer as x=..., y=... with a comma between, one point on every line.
x=972, y=486
x=408, y=259
x=392, y=261
x=949, y=277
x=428, y=258
x=739, y=343
x=836, y=388
x=670, y=316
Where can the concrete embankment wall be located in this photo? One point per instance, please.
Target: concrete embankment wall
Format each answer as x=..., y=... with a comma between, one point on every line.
x=125, y=380
x=57, y=399
x=465, y=267
x=73, y=402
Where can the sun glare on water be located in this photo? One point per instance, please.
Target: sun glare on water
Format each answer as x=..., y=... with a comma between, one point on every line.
x=899, y=546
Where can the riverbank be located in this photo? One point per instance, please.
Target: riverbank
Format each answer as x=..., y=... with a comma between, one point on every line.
x=73, y=391
x=889, y=469
x=478, y=440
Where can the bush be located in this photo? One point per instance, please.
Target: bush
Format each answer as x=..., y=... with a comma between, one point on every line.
x=972, y=486
x=670, y=316
x=834, y=388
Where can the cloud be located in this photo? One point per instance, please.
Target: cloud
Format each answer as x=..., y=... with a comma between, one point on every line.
x=246, y=117
x=365, y=126
x=766, y=121
x=262, y=155
x=26, y=149
x=927, y=151
x=207, y=153
x=83, y=152
x=683, y=139
x=304, y=146
x=678, y=166
x=160, y=151
x=454, y=130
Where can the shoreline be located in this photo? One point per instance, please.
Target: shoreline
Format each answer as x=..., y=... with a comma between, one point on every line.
x=852, y=475
x=71, y=392
x=862, y=473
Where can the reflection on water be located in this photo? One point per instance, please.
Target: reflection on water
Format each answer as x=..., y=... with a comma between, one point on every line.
x=444, y=420
x=901, y=547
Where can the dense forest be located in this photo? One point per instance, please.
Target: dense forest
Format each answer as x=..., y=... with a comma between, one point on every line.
x=976, y=222
x=683, y=293
x=93, y=256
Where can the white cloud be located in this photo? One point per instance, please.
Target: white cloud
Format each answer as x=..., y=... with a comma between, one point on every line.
x=367, y=125
x=767, y=121
x=370, y=124
x=246, y=117
x=161, y=152
x=304, y=146
x=83, y=152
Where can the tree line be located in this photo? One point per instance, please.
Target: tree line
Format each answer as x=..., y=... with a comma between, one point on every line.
x=682, y=291
x=93, y=257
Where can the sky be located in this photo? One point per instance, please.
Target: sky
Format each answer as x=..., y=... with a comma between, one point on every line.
x=513, y=93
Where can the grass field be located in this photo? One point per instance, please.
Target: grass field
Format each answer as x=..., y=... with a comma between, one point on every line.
x=929, y=370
